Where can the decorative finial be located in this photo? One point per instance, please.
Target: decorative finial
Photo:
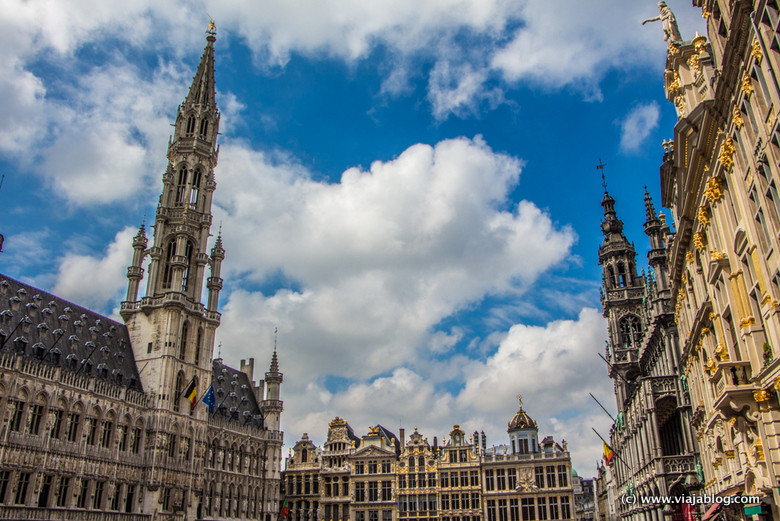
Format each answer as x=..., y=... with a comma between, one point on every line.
x=220, y=228
x=219, y=350
x=601, y=166
x=211, y=29
x=520, y=399
x=276, y=330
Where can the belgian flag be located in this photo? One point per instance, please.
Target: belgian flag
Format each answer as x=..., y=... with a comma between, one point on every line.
x=608, y=453
x=191, y=392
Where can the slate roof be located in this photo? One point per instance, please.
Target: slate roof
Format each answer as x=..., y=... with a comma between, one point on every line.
x=234, y=397
x=38, y=325
x=390, y=436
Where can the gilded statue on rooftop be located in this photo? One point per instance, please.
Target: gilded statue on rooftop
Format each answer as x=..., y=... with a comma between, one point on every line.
x=666, y=17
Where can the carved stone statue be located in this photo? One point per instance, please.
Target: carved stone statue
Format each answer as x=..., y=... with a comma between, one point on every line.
x=667, y=18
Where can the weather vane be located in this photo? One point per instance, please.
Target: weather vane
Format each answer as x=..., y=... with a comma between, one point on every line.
x=601, y=166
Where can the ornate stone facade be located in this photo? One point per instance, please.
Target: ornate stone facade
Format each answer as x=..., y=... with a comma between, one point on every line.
x=381, y=478
x=655, y=450
x=724, y=267
x=102, y=420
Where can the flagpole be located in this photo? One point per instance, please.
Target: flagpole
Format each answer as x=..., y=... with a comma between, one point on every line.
x=610, y=366
x=602, y=408
x=614, y=452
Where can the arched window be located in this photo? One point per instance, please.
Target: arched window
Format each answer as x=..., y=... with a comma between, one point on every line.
x=198, y=342
x=195, y=191
x=181, y=185
x=183, y=341
x=204, y=128
x=630, y=330
x=185, y=281
x=179, y=390
x=167, y=269
x=621, y=273
x=411, y=463
x=421, y=462
x=190, y=125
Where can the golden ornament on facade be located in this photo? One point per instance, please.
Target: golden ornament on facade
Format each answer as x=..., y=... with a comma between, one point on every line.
x=693, y=63
x=699, y=240
x=747, y=85
x=673, y=49
x=721, y=353
x=755, y=50
x=760, y=396
x=713, y=191
x=674, y=86
x=705, y=14
x=712, y=365
x=738, y=121
x=704, y=215
x=684, y=278
x=689, y=256
x=705, y=330
x=699, y=43
x=726, y=155
x=716, y=255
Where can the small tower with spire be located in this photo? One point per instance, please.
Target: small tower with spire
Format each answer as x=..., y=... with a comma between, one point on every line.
x=171, y=330
x=621, y=301
x=272, y=405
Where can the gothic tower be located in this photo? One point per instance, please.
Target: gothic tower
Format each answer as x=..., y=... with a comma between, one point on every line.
x=621, y=301
x=171, y=331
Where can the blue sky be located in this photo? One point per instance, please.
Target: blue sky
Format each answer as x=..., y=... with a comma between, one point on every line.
x=407, y=190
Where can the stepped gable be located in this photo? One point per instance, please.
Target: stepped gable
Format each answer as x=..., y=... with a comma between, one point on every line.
x=41, y=326
x=234, y=396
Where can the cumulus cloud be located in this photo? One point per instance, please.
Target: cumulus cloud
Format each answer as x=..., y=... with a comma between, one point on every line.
x=96, y=281
x=637, y=125
x=381, y=257
x=553, y=366
x=473, y=43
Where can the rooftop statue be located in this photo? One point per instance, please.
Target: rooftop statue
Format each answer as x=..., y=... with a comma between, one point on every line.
x=666, y=16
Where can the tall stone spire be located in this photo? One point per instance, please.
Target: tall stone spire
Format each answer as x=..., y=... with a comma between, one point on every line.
x=172, y=332
x=621, y=300
x=272, y=406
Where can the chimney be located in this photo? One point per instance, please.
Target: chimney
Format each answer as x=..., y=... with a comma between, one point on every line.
x=402, y=436
x=248, y=368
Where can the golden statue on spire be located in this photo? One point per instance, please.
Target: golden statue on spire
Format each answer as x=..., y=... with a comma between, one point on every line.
x=211, y=29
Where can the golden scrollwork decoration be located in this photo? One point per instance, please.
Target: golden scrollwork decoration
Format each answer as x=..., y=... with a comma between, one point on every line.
x=738, y=121
x=722, y=353
x=726, y=155
x=717, y=255
x=761, y=395
x=703, y=215
x=747, y=85
x=700, y=240
x=755, y=50
x=713, y=190
x=689, y=256
x=693, y=63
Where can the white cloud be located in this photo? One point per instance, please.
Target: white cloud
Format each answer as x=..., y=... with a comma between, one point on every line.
x=552, y=366
x=459, y=89
x=637, y=125
x=96, y=281
x=379, y=258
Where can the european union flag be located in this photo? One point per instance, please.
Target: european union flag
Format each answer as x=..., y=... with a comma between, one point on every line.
x=208, y=399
